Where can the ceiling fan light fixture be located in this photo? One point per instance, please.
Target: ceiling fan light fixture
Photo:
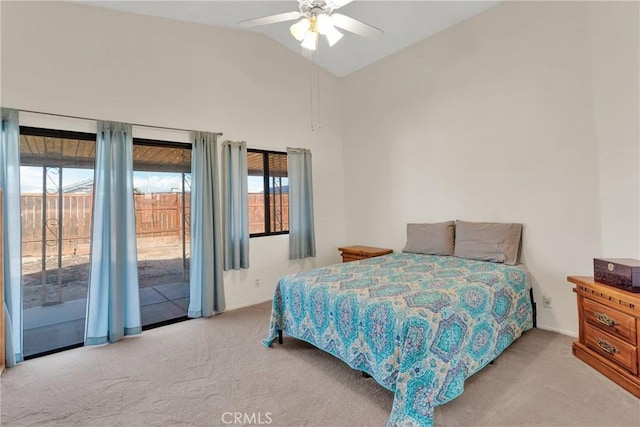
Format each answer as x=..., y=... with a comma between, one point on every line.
x=310, y=40
x=300, y=29
x=317, y=17
x=333, y=36
x=324, y=24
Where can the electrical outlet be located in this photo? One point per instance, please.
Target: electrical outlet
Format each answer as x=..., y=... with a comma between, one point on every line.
x=546, y=300
x=257, y=283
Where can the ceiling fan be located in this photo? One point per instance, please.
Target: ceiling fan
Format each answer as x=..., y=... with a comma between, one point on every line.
x=318, y=17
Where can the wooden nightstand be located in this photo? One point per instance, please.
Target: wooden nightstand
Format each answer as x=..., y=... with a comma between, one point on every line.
x=355, y=253
x=608, y=339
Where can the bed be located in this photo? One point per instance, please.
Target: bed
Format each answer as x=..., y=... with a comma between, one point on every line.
x=420, y=325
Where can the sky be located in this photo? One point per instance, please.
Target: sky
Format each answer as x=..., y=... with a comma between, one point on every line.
x=256, y=184
x=146, y=182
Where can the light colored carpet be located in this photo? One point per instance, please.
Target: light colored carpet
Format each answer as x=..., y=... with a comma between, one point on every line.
x=194, y=372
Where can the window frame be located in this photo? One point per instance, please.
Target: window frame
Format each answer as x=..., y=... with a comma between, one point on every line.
x=161, y=143
x=57, y=133
x=267, y=193
x=90, y=136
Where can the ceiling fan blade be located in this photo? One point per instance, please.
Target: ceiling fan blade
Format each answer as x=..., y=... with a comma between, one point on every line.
x=354, y=26
x=282, y=17
x=336, y=4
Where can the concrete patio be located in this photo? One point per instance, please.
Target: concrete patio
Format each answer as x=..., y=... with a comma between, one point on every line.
x=50, y=327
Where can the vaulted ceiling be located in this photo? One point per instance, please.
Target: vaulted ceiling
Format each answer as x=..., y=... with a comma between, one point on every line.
x=403, y=22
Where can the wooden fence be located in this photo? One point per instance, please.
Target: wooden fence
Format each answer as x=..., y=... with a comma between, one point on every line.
x=157, y=215
x=256, y=213
x=76, y=223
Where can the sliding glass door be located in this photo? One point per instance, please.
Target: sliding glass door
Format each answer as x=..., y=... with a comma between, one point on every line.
x=162, y=193
x=57, y=172
x=56, y=176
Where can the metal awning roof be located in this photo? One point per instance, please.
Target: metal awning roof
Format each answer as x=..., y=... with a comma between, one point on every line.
x=77, y=153
x=277, y=164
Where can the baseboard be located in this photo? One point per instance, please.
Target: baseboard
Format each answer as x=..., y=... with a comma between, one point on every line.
x=560, y=331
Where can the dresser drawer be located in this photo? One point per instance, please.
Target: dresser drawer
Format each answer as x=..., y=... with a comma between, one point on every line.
x=612, y=348
x=618, y=324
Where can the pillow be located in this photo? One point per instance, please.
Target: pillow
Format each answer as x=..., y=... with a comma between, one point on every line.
x=430, y=239
x=488, y=241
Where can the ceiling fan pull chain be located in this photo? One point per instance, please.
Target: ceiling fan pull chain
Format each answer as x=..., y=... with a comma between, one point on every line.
x=311, y=96
x=317, y=69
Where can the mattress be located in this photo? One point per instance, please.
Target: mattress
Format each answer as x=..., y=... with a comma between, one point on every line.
x=420, y=325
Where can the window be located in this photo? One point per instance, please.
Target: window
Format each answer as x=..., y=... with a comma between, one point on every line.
x=268, y=193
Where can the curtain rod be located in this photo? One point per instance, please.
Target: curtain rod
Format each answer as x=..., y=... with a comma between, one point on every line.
x=133, y=124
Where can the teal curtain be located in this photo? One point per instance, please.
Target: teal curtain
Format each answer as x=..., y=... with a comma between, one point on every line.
x=206, y=282
x=113, y=302
x=302, y=240
x=235, y=205
x=12, y=260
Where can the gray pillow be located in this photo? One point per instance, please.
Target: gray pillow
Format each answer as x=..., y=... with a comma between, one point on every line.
x=430, y=239
x=488, y=241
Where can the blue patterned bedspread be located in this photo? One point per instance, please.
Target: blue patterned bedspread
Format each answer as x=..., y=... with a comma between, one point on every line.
x=420, y=325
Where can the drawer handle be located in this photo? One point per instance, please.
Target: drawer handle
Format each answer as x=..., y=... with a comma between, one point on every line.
x=606, y=346
x=604, y=319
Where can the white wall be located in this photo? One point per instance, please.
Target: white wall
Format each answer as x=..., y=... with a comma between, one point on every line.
x=84, y=61
x=525, y=113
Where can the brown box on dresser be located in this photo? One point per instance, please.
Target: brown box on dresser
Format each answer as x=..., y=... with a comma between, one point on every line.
x=622, y=273
x=608, y=331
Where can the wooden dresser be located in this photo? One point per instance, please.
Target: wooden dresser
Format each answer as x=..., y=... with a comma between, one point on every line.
x=609, y=331
x=355, y=253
